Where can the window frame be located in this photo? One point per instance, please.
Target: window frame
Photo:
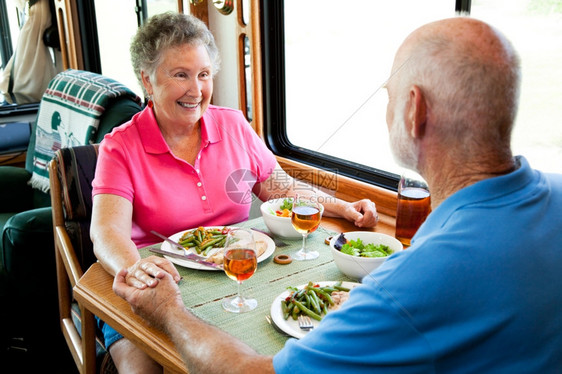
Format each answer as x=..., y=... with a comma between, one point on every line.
x=6, y=48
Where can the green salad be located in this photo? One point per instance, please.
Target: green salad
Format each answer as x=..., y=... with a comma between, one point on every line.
x=360, y=249
x=287, y=204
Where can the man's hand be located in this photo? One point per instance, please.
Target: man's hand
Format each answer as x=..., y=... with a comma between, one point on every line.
x=151, y=303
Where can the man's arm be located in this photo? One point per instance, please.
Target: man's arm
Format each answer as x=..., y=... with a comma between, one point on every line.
x=204, y=348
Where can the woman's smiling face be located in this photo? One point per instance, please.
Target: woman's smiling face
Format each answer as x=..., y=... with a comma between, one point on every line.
x=182, y=86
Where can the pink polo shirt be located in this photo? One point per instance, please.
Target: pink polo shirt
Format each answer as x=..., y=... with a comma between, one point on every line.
x=170, y=195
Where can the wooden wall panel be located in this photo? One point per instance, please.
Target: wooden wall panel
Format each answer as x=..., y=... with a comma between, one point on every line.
x=69, y=34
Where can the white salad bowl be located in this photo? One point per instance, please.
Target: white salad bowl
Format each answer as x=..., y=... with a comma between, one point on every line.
x=357, y=267
x=279, y=226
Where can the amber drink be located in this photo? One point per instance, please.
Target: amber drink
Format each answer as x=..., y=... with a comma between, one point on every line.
x=240, y=263
x=414, y=205
x=305, y=217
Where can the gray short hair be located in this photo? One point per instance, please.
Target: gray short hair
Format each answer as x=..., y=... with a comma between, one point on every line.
x=476, y=96
x=166, y=30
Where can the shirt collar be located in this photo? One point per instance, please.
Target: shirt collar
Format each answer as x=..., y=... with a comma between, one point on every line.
x=154, y=142
x=210, y=125
x=479, y=193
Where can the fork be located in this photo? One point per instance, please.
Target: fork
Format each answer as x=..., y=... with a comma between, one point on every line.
x=305, y=323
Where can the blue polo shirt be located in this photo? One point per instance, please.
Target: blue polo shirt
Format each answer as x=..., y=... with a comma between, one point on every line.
x=479, y=291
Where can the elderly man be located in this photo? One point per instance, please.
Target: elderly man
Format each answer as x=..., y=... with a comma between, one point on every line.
x=479, y=289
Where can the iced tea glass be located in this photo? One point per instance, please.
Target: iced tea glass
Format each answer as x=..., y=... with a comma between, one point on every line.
x=414, y=205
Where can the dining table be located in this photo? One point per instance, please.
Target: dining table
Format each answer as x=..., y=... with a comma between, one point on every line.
x=203, y=291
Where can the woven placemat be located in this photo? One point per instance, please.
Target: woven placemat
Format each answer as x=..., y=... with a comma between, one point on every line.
x=202, y=290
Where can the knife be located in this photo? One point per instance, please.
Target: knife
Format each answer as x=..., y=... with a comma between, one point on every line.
x=165, y=238
x=185, y=256
x=189, y=257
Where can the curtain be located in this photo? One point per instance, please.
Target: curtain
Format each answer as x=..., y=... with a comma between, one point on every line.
x=31, y=64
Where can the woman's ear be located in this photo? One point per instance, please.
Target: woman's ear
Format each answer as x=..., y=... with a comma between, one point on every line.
x=417, y=112
x=146, y=82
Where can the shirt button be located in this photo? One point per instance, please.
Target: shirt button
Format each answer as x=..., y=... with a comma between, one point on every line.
x=199, y=184
x=203, y=198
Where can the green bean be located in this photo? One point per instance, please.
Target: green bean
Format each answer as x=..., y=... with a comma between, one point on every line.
x=307, y=311
x=321, y=302
x=314, y=301
x=324, y=294
x=296, y=310
x=208, y=244
x=306, y=299
x=285, y=309
x=187, y=239
x=299, y=294
x=341, y=288
x=290, y=307
x=197, y=246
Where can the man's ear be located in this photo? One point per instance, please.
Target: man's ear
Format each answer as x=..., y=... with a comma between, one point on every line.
x=417, y=112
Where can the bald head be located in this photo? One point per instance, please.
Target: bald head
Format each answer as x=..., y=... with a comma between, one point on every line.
x=469, y=75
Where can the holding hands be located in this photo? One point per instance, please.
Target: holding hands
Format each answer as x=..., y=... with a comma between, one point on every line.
x=147, y=271
x=150, y=303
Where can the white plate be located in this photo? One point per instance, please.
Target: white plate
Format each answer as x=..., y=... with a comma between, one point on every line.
x=258, y=236
x=290, y=326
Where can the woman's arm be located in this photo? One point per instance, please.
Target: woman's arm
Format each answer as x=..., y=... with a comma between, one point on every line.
x=111, y=234
x=362, y=213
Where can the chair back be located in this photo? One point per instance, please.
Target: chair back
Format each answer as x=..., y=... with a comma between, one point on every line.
x=77, y=108
x=71, y=174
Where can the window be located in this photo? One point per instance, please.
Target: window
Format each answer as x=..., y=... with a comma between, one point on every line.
x=117, y=23
x=324, y=105
x=535, y=29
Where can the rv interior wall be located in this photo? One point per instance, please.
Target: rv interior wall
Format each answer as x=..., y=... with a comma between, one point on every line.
x=225, y=92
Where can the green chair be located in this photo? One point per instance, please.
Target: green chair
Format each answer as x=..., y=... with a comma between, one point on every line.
x=27, y=252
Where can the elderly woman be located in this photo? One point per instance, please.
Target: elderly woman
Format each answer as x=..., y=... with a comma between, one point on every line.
x=168, y=169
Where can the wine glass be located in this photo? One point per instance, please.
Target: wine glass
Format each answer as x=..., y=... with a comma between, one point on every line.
x=240, y=263
x=305, y=218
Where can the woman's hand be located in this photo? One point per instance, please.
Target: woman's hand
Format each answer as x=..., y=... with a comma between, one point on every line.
x=362, y=213
x=147, y=271
x=151, y=303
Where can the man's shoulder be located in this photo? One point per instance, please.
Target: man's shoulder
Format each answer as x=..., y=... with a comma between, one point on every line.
x=555, y=179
